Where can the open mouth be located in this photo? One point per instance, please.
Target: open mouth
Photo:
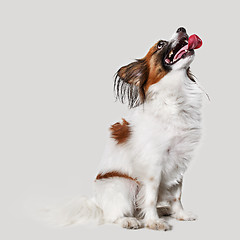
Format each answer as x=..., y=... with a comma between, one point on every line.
x=184, y=48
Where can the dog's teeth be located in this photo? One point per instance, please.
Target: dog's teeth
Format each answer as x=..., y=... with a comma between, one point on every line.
x=171, y=53
x=185, y=50
x=186, y=41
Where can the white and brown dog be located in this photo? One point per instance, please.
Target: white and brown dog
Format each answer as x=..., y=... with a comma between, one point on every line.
x=149, y=151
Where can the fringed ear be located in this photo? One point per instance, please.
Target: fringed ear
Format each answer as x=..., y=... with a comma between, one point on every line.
x=129, y=83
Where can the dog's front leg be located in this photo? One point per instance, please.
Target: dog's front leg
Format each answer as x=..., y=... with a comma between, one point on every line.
x=151, y=218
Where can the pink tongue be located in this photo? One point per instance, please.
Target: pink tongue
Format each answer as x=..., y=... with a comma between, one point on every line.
x=194, y=42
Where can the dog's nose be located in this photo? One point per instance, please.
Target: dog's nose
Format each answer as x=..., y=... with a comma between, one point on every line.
x=181, y=29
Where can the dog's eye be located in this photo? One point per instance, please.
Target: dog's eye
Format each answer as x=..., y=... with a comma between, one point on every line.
x=160, y=44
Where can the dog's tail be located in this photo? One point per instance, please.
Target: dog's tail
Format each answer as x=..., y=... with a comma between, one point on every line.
x=78, y=211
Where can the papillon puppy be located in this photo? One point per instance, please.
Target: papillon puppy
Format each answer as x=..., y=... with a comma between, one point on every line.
x=149, y=150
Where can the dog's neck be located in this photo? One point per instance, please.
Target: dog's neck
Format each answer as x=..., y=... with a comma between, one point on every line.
x=171, y=96
x=167, y=91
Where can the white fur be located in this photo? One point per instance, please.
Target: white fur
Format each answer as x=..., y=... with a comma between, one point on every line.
x=164, y=133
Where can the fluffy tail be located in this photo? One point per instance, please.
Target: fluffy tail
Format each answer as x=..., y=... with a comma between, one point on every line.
x=78, y=211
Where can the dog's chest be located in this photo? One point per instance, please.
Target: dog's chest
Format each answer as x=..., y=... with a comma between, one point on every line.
x=182, y=128
x=168, y=129
x=174, y=115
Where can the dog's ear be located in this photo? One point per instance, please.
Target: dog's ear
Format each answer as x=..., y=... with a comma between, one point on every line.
x=133, y=73
x=129, y=83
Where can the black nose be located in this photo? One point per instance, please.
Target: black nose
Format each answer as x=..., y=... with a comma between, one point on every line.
x=181, y=29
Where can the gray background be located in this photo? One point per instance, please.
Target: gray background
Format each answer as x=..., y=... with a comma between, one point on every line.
x=58, y=59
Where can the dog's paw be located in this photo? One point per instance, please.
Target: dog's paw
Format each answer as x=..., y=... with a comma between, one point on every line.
x=185, y=216
x=157, y=224
x=129, y=223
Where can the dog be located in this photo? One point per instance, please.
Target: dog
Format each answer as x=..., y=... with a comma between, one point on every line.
x=149, y=151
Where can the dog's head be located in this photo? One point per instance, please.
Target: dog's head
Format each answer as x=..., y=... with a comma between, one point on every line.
x=133, y=81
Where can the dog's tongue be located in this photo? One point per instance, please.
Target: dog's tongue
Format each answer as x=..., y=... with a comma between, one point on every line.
x=194, y=42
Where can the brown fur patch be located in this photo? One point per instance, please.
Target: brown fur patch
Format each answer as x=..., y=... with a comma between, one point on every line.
x=120, y=131
x=156, y=70
x=115, y=174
